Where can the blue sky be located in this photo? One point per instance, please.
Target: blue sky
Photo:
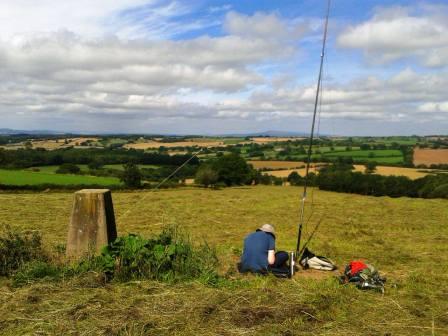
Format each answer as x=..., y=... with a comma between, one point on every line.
x=223, y=66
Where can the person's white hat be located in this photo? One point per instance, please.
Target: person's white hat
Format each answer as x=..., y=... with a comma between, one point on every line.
x=267, y=228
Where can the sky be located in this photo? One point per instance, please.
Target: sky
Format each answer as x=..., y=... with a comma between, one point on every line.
x=223, y=67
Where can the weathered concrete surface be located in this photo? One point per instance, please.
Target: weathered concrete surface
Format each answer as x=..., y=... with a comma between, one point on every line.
x=92, y=224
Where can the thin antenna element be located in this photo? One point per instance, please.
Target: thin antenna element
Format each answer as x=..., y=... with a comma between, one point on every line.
x=158, y=185
x=310, y=146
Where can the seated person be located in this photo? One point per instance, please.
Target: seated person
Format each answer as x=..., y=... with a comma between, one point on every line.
x=259, y=252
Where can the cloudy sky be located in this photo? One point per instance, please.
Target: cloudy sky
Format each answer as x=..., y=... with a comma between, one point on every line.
x=197, y=66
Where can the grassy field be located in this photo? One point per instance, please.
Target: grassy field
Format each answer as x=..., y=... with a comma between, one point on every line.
x=25, y=177
x=405, y=238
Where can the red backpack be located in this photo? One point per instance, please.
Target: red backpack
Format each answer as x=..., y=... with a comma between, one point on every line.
x=356, y=266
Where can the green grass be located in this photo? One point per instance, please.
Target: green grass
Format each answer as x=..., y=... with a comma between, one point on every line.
x=120, y=166
x=23, y=177
x=406, y=239
x=232, y=141
x=366, y=153
x=52, y=169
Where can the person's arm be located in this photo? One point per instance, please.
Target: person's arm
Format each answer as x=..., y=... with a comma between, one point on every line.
x=271, y=257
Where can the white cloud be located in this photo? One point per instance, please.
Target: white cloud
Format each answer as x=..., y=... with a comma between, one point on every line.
x=112, y=63
x=396, y=33
x=65, y=73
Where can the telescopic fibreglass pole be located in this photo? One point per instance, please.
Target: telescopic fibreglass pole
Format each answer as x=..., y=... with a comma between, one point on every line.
x=308, y=161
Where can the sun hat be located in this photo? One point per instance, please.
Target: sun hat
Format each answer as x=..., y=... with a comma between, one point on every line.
x=267, y=228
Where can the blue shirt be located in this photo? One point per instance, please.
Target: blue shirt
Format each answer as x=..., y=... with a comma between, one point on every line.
x=255, y=253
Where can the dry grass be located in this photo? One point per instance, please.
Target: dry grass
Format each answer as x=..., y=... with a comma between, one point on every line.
x=276, y=164
x=381, y=170
x=267, y=140
x=155, y=144
x=53, y=143
x=405, y=238
x=286, y=172
x=430, y=156
x=397, y=171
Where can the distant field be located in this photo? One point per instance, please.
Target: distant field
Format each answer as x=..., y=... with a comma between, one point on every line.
x=367, y=153
x=264, y=140
x=379, y=155
x=52, y=169
x=276, y=164
x=397, y=171
x=430, y=156
x=155, y=144
x=54, y=143
x=381, y=170
x=22, y=177
x=286, y=172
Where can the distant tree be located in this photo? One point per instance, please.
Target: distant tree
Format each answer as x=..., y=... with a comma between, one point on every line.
x=295, y=179
x=371, y=154
x=364, y=147
x=131, y=176
x=68, y=168
x=206, y=176
x=95, y=164
x=266, y=179
x=278, y=181
x=28, y=145
x=2, y=156
x=233, y=170
x=370, y=167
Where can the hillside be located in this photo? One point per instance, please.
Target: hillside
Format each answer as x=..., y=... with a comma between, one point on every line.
x=404, y=238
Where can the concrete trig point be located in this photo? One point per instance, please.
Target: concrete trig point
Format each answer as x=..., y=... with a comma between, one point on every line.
x=92, y=224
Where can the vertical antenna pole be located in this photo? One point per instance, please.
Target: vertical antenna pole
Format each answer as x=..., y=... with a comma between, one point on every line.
x=310, y=145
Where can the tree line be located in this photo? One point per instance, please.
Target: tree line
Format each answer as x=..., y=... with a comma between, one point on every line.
x=333, y=178
x=26, y=158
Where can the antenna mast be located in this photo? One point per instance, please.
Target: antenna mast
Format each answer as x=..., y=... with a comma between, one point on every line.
x=316, y=101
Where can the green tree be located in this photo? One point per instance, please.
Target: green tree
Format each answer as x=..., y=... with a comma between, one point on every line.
x=294, y=179
x=131, y=176
x=370, y=167
x=206, y=176
x=68, y=168
x=95, y=164
x=233, y=170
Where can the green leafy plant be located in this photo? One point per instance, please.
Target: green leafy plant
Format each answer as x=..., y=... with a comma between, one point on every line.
x=168, y=257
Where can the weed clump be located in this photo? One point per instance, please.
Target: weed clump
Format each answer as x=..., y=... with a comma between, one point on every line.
x=36, y=270
x=16, y=249
x=168, y=257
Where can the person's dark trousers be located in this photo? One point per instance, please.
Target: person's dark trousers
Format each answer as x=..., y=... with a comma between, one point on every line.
x=280, y=268
x=281, y=258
